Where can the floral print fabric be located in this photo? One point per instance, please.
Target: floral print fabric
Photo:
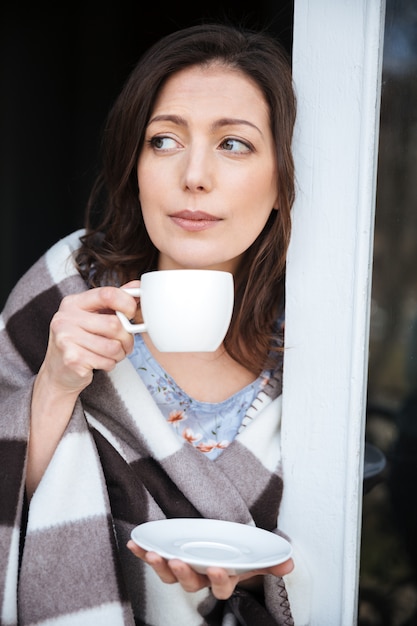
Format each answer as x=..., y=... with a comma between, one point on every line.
x=209, y=427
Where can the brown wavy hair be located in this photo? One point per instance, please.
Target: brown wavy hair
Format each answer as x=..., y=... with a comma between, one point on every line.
x=116, y=247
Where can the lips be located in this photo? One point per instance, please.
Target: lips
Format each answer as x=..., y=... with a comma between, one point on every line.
x=194, y=221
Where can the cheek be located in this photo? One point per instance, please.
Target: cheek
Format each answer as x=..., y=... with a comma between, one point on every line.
x=146, y=174
x=142, y=181
x=150, y=219
x=148, y=191
x=260, y=190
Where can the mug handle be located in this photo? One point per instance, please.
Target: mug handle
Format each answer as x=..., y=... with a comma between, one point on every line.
x=132, y=328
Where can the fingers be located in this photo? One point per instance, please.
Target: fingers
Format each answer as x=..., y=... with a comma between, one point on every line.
x=157, y=562
x=137, y=550
x=221, y=583
x=101, y=334
x=282, y=569
x=86, y=335
x=189, y=579
x=172, y=571
x=100, y=300
x=276, y=570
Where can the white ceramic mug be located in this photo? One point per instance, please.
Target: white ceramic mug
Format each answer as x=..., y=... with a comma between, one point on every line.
x=184, y=310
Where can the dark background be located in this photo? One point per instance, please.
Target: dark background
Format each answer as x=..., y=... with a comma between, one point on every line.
x=61, y=68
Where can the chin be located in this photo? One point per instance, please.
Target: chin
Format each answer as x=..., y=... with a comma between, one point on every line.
x=195, y=260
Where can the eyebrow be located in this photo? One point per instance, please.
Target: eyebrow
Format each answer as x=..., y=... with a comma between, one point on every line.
x=224, y=121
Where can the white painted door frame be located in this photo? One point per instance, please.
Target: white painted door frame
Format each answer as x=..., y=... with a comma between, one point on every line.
x=337, y=58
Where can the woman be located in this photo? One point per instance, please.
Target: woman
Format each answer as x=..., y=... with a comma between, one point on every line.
x=198, y=173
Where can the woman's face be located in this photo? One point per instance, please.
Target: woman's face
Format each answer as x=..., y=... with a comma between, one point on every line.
x=207, y=171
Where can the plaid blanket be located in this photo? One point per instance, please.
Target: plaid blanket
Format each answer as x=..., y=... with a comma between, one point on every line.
x=63, y=558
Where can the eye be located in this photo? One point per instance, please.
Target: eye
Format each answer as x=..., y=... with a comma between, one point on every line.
x=163, y=143
x=237, y=146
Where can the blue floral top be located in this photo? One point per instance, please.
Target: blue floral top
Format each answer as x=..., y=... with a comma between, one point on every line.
x=208, y=426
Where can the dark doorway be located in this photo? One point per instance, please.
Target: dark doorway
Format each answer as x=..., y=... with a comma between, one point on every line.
x=62, y=67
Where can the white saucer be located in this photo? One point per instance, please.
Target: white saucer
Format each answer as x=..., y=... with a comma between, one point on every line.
x=205, y=542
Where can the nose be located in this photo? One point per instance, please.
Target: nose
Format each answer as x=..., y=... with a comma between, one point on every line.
x=198, y=171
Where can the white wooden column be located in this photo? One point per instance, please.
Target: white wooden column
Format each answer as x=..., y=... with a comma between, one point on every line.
x=337, y=66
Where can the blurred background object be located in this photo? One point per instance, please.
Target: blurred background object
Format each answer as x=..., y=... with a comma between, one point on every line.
x=388, y=584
